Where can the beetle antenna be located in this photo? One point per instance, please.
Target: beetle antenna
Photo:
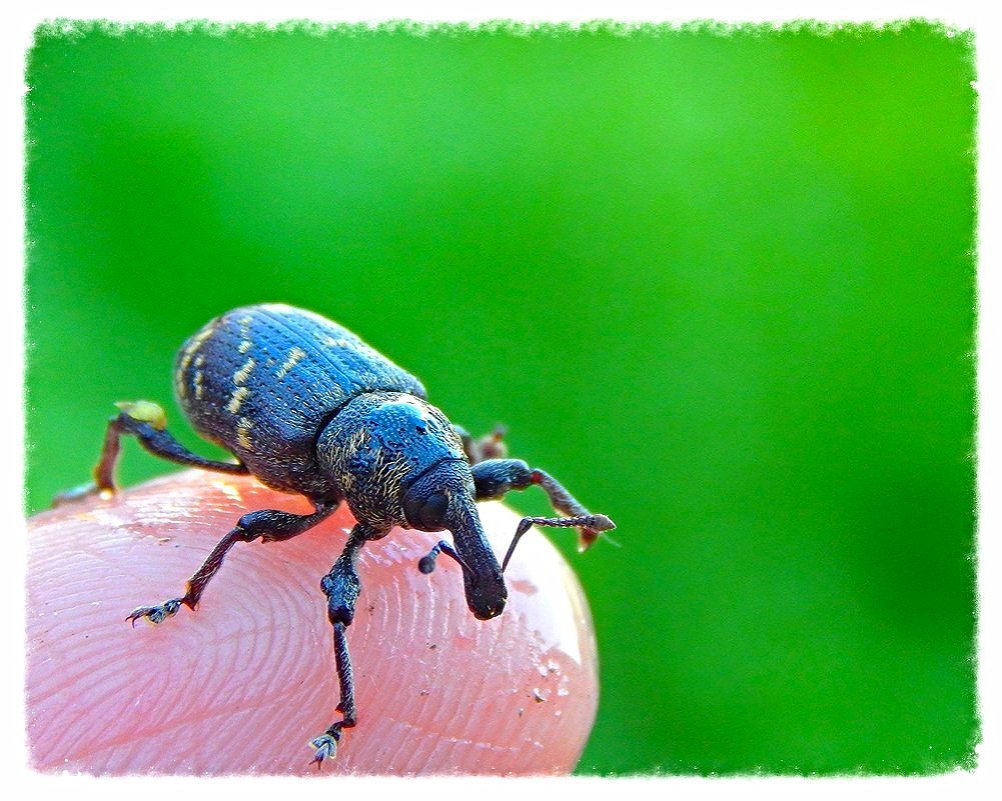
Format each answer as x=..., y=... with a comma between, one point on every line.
x=427, y=563
x=598, y=524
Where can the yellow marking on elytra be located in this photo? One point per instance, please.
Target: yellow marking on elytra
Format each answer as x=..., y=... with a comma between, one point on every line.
x=198, y=384
x=188, y=355
x=240, y=376
x=199, y=360
x=236, y=399
x=145, y=412
x=243, y=433
x=244, y=323
x=195, y=344
x=295, y=356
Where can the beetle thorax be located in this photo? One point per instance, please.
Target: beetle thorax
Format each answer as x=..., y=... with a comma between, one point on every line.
x=377, y=445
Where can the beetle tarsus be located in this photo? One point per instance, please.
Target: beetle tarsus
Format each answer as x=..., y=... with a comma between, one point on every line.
x=325, y=746
x=589, y=527
x=591, y=531
x=156, y=614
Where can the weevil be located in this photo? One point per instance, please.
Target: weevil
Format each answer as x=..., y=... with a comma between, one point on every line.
x=307, y=407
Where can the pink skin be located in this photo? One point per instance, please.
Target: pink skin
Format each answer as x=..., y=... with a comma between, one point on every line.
x=244, y=682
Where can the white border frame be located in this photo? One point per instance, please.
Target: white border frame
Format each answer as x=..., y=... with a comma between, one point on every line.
x=16, y=33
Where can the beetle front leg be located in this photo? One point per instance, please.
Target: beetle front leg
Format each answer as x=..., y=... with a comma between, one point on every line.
x=271, y=525
x=342, y=587
x=147, y=422
x=495, y=477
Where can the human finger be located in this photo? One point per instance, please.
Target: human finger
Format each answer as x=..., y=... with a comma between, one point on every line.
x=244, y=682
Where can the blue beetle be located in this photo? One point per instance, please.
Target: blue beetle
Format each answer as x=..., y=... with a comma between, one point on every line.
x=307, y=407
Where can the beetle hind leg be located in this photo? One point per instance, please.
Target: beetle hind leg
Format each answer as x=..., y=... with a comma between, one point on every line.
x=147, y=422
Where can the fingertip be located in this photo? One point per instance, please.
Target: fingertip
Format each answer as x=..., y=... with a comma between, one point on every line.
x=437, y=690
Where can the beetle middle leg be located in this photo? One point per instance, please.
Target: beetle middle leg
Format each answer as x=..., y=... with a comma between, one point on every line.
x=342, y=587
x=271, y=525
x=495, y=477
x=147, y=422
x=489, y=446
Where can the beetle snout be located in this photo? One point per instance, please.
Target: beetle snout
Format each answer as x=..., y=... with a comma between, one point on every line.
x=488, y=610
x=487, y=597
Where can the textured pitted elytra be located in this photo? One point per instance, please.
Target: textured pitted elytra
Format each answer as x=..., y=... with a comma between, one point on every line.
x=262, y=381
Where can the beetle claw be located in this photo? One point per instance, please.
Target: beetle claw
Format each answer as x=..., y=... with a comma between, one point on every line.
x=155, y=614
x=588, y=534
x=326, y=748
x=586, y=538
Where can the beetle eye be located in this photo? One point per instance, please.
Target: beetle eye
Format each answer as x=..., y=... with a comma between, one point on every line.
x=428, y=514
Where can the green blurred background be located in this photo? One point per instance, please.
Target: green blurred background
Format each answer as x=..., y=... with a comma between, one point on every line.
x=720, y=282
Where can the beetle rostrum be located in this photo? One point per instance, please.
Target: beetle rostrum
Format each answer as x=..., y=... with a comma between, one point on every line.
x=306, y=407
